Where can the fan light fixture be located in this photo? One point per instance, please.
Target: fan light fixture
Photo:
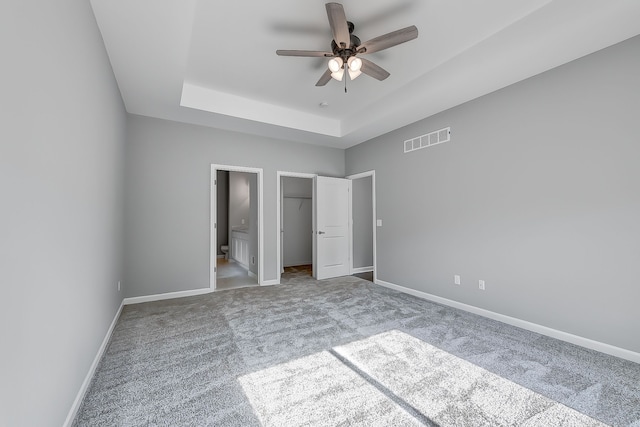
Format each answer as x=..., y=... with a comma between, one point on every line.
x=354, y=63
x=338, y=75
x=337, y=67
x=346, y=46
x=335, y=64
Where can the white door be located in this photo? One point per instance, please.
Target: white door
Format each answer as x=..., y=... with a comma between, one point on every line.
x=331, y=232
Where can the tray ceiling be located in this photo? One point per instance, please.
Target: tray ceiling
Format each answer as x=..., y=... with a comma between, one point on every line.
x=213, y=63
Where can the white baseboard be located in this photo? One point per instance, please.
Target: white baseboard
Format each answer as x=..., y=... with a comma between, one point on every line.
x=361, y=270
x=168, y=295
x=220, y=256
x=92, y=370
x=534, y=327
x=270, y=282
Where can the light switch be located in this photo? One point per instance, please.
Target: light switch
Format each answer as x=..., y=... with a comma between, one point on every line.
x=379, y=223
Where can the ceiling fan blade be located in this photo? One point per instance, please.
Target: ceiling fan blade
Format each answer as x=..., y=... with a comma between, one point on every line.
x=389, y=40
x=338, y=23
x=373, y=70
x=307, y=53
x=325, y=78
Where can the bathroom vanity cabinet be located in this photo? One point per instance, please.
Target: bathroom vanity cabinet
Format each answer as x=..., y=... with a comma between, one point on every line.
x=240, y=247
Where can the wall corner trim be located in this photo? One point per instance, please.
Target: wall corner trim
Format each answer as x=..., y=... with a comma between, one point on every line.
x=534, y=327
x=73, y=411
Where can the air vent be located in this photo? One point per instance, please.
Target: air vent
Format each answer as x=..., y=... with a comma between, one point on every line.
x=427, y=140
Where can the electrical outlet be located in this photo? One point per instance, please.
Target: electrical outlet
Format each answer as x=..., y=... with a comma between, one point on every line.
x=481, y=285
x=456, y=279
x=118, y=285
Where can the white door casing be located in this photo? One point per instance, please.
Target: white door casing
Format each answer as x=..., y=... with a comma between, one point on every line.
x=213, y=221
x=331, y=227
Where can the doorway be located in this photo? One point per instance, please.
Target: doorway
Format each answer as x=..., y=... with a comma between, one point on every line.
x=364, y=225
x=296, y=222
x=363, y=240
x=237, y=220
x=294, y=212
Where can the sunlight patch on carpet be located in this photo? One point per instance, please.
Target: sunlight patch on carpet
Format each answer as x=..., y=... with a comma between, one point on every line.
x=318, y=390
x=381, y=376
x=450, y=390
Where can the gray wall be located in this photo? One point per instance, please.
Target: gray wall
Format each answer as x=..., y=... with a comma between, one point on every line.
x=297, y=187
x=362, y=213
x=222, y=209
x=538, y=193
x=61, y=165
x=168, y=190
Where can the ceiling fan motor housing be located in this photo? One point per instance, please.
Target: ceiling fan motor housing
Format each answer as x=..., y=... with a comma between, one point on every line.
x=350, y=51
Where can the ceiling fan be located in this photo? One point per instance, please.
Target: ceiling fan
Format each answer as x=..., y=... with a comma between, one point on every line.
x=346, y=48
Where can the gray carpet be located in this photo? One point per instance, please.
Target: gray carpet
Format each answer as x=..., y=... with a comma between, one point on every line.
x=345, y=352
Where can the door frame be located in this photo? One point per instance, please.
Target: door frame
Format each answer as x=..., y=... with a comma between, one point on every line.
x=213, y=249
x=372, y=174
x=279, y=196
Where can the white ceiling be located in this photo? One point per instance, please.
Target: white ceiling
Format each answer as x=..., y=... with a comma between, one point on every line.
x=213, y=63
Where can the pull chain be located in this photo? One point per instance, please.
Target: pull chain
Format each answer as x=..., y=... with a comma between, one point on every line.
x=345, y=79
